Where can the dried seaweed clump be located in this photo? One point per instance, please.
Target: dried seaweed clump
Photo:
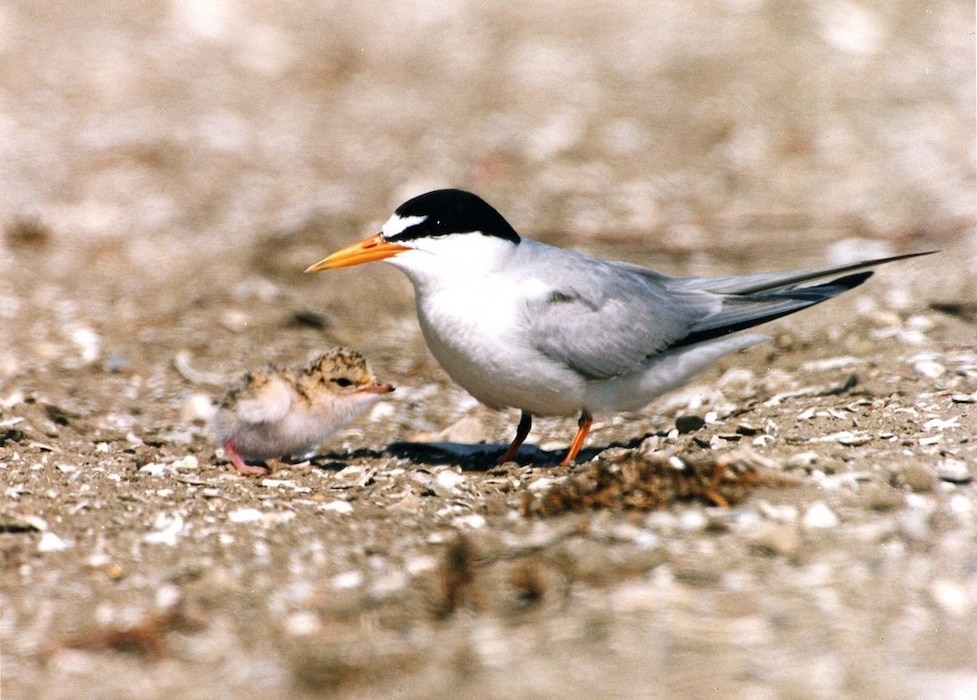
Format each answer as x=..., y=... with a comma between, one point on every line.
x=635, y=481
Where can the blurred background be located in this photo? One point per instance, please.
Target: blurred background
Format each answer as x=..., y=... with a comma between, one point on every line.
x=161, y=141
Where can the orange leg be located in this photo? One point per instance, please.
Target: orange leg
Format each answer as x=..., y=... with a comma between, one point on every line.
x=583, y=427
x=230, y=451
x=525, y=423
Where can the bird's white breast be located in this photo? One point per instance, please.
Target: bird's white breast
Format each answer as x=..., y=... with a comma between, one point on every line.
x=477, y=329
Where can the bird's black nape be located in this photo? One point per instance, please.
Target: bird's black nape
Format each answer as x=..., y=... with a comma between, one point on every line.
x=452, y=211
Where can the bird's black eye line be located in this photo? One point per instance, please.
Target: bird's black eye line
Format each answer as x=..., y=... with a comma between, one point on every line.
x=343, y=381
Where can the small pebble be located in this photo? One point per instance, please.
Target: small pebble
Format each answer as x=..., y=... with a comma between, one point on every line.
x=929, y=368
x=782, y=539
x=153, y=468
x=692, y=520
x=446, y=483
x=883, y=497
x=918, y=478
x=350, y=579
x=802, y=460
x=819, y=516
x=473, y=521
x=50, y=542
x=234, y=320
x=541, y=484
x=337, y=507
x=302, y=623
x=167, y=528
x=737, y=383
x=952, y=597
x=689, y=423
x=186, y=464
x=244, y=515
x=196, y=408
x=955, y=471
x=115, y=363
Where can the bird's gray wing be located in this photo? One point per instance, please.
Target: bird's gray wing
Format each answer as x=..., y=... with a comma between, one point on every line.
x=603, y=319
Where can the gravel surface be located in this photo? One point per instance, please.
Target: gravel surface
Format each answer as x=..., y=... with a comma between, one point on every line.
x=799, y=522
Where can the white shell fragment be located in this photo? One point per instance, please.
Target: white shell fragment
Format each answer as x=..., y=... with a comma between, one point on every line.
x=819, y=516
x=446, y=482
x=344, y=507
x=50, y=542
x=167, y=528
x=954, y=471
x=929, y=368
x=253, y=515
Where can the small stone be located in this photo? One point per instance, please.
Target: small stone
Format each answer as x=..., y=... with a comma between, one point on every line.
x=883, y=497
x=411, y=503
x=543, y=483
x=473, y=521
x=234, y=320
x=803, y=460
x=819, y=516
x=738, y=383
x=852, y=439
x=692, y=520
x=446, y=483
x=350, y=579
x=308, y=318
x=196, y=408
x=153, y=468
x=167, y=528
x=337, y=507
x=302, y=623
x=952, y=597
x=468, y=430
x=929, y=368
x=50, y=542
x=918, y=478
x=782, y=539
x=244, y=515
x=747, y=429
x=186, y=464
x=689, y=423
x=954, y=471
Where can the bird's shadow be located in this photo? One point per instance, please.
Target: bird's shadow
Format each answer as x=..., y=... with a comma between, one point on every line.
x=477, y=457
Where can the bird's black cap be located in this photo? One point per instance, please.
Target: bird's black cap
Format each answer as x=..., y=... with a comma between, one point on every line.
x=452, y=211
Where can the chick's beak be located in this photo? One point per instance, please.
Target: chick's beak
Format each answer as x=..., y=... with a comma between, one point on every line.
x=368, y=250
x=378, y=389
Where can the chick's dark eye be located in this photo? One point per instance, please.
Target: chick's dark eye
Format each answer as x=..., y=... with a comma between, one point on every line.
x=343, y=381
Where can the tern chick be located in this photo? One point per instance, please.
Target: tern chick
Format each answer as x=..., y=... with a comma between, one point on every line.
x=281, y=411
x=551, y=331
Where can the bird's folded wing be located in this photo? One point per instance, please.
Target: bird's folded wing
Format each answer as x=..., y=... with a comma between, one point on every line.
x=608, y=321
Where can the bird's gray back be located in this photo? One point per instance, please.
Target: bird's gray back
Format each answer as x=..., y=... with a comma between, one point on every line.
x=605, y=318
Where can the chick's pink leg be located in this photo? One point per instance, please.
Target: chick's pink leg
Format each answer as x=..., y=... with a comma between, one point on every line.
x=230, y=451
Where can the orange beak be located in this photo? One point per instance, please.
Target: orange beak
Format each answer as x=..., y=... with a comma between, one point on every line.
x=368, y=250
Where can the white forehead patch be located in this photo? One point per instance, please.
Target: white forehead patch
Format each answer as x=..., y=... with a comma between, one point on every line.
x=398, y=224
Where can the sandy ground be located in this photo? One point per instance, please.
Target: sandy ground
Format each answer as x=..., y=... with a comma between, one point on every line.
x=168, y=169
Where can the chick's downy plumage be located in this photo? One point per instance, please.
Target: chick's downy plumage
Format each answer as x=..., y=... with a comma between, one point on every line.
x=281, y=411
